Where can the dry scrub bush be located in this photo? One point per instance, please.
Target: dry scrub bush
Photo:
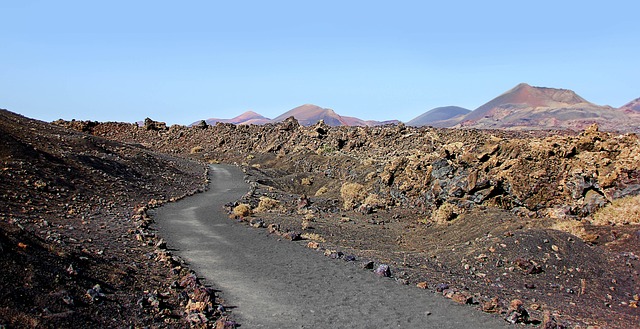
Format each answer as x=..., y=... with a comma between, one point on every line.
x=620, y=211
x=312, y=236
x=322, y=191
x=197, y=149
x=306, y=225
x=325, y=149
x=367, y=162
x=306, y=181
x=267, y=204
x=374, y=201
x=446, y=213
x=242, y=210
x=571, y=226
x=576, y=228
x=352, y=194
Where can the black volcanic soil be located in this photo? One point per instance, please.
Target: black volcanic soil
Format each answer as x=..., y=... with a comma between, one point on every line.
x=75, y=250
x=502, y=220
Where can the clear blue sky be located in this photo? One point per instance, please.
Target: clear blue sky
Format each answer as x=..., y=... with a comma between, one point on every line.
x=181, y=61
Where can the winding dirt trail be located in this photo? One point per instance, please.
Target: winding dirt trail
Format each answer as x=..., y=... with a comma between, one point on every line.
x=280, y=284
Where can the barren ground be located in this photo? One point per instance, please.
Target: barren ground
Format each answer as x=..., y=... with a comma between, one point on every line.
x=505, y=221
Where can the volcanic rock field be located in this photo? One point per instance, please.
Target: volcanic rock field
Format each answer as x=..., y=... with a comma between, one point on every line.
x=537, y=227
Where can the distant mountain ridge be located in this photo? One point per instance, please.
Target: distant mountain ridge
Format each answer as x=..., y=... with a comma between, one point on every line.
x=523, y=107
x=309, y=114
x=306, y=115
x=245, y=118
x=526, y=107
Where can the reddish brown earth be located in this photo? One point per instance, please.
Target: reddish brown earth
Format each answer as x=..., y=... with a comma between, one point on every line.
x=75, y=248
x=504, y=218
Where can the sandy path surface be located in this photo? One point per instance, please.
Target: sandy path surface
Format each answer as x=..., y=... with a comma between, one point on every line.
x=280, y=284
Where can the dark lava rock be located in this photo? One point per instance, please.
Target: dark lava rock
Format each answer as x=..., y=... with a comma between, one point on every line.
x=440, y=287
x=292, y=236
x=383, y=270
x=368, y=265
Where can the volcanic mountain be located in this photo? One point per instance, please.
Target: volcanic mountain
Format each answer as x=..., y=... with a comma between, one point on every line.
x=245, y=118
x=525, y=107
x=438, y=114
x=310, y=114
x=632, y=107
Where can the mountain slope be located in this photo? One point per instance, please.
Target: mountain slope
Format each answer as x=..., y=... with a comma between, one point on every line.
x=525, y=107
x=438, y=114
x=524, y=96
x=309, y=114
x=245, y=118
x=633, y=106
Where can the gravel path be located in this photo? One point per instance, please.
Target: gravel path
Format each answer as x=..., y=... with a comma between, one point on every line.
x=280, y=284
